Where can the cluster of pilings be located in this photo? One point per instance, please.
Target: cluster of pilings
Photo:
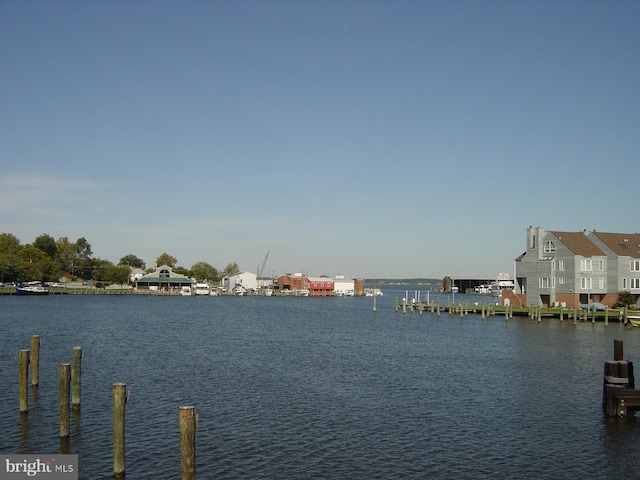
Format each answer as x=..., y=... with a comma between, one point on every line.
x=69, y=380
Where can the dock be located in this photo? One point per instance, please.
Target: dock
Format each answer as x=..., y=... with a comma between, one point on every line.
x=509, y=311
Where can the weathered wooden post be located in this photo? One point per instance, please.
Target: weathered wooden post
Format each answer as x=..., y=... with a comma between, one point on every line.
x=76, y=359
x=65, y=385
x=438, y=308
x=374, y=303
x=35, y=359
x=482, y=311
x=561, y=314
x=188, y=423
x=23, y=369
x=606, y=316
x=120, y=398
x=397, y=304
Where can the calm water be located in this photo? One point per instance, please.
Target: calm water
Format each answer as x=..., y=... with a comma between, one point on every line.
x=301, y=388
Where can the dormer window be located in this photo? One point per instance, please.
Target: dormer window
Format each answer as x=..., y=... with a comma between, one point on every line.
x=549, y=247
x=164, y=273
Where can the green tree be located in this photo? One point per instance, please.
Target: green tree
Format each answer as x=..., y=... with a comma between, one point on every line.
x=166, y=259
x=47, y=244
x=625, y=299
x=11, y=268
x=202, y=271
x=132, y=261
x=117, y=274
x=9, y=243
x=231, y=269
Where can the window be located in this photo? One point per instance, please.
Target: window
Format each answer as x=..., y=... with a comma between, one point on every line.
x=549, y=247
x=624, y=283
x=553, y=264
x=585, y=265
x=586, y=283
x=561, y=265
x=561, y=280
x=601, y=265
x=601, y=283
x=164, y=273
x=635, y=283
x=546, y=282
x=635, y=266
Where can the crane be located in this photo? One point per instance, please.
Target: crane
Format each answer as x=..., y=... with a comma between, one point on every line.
x=264, y=262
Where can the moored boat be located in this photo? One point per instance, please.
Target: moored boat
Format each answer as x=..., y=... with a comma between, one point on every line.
x=634, y=320
x=32, y=288
x=203, y=289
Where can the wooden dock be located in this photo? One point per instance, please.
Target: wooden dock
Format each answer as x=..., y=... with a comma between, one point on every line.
x=509, y=311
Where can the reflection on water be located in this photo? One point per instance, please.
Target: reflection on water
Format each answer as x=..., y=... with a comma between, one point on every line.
x=319, y=388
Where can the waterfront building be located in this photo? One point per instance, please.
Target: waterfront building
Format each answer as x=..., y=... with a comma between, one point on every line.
x=576, y=268
x=163, y=280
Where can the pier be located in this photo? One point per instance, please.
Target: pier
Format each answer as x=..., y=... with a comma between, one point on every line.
x=486, y=310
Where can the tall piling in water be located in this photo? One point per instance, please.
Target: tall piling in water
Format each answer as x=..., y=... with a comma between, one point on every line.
x=76, y=360
x=119, y=400
x=65, y=385
x=23, y=374
x=188, y=424
x=35, y=359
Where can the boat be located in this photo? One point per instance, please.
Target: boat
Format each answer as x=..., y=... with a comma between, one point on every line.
x=372, y=292
x=503, y=282
x=268, y=292
x=634, y=320
x=303, y=292
x=185, y=291
x=32, y=288
x=203, y=289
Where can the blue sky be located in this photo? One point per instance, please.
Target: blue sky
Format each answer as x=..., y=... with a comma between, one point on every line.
x=364, y=138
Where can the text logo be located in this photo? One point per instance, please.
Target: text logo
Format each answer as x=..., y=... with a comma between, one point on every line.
x=48, y=467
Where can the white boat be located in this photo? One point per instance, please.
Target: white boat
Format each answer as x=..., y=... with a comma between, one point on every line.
x=268, y=292
x=372, y=292
x=303, y=292
x=634, y=320
x=483, y=289
x=32, y=288
x=203, y=289
x=239, y=291
x=503, y=282
x=185, y=291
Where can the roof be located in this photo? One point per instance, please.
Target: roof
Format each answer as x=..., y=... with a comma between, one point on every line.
x=579, y=244
x=622, y=244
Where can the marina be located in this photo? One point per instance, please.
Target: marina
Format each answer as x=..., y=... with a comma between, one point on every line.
x=319, y=388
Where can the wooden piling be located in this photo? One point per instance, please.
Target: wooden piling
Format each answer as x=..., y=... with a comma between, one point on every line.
x=35, y=360
x=65, y=388
x=374, y=303
x=119, y=401
x=23, y=369
x=188, y=423
x=76, y=360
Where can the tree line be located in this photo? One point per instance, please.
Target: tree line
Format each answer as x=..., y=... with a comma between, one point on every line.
x=48, y=260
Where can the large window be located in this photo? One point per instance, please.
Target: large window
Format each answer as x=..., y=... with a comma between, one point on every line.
x=601, y=283
x=586, y=265
x=635, y=266
x=549, y=247
x=635, y=283
x=561, y=265
x=546, y=282
x=586, y=283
